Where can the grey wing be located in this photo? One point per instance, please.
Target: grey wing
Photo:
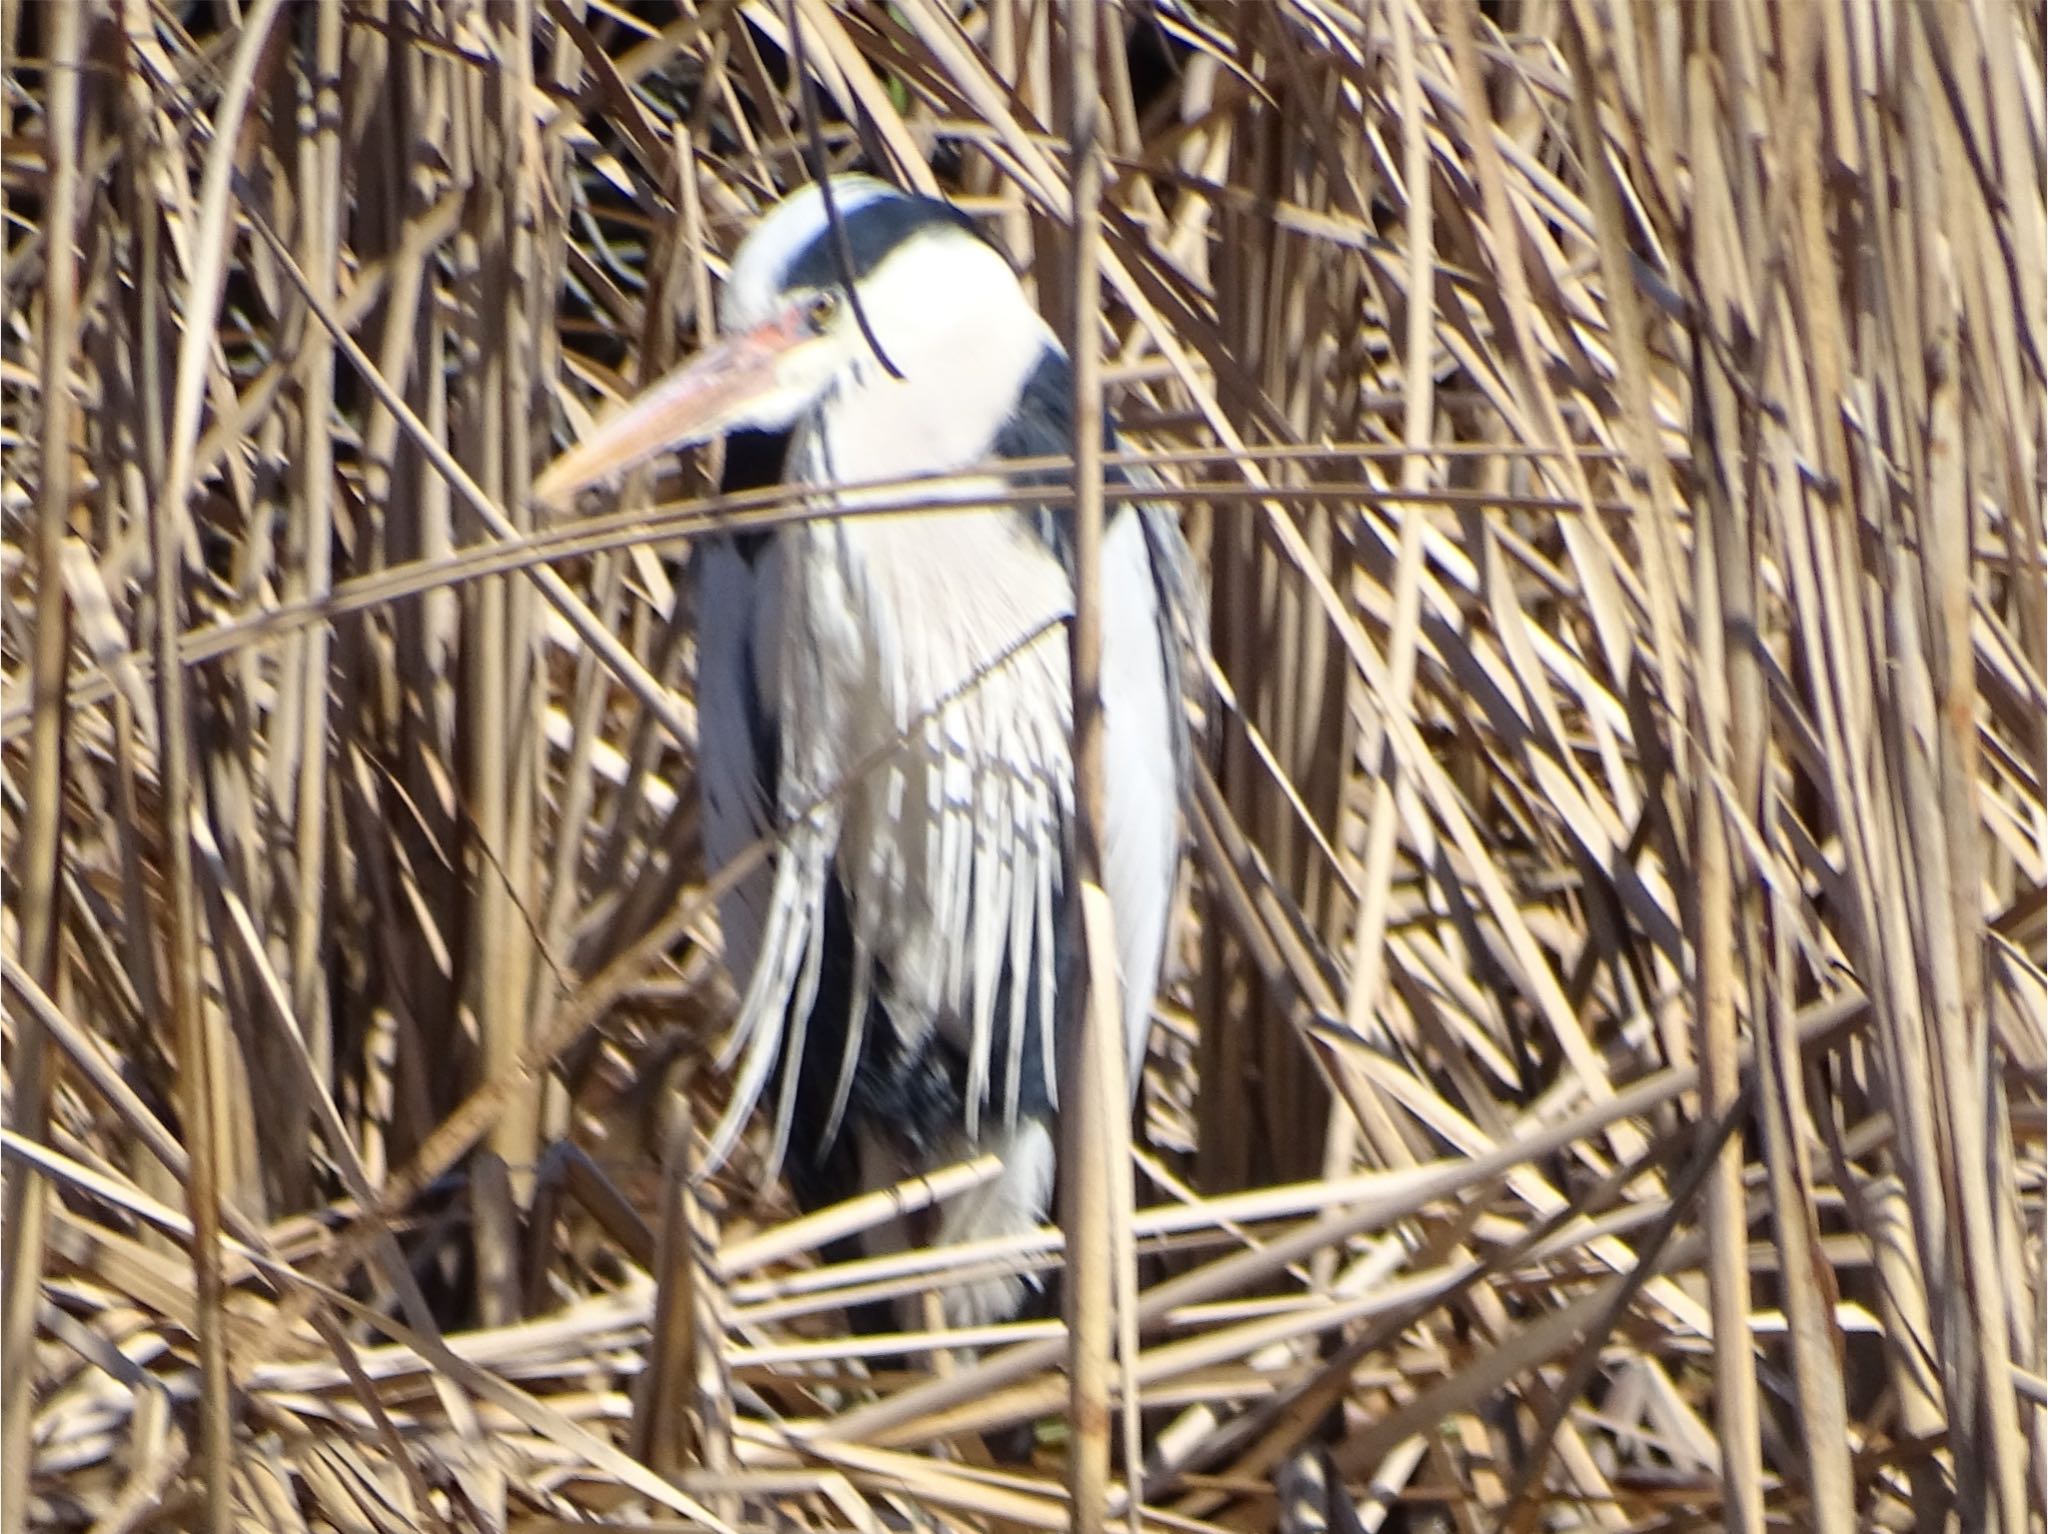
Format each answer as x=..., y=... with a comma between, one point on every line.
x=738, y=731
x=1183, y=622
x=1155, y=629
x=772, y=916
x=1145, y=762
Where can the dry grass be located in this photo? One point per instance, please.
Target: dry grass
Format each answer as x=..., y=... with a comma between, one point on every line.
x=1606, y=1087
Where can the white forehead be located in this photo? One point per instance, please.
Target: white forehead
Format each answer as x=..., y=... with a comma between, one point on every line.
x=783, y=234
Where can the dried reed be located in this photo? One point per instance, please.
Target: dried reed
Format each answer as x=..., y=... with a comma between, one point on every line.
x=1604, y=1088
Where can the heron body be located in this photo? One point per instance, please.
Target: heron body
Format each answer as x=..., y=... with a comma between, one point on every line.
x=889, y=693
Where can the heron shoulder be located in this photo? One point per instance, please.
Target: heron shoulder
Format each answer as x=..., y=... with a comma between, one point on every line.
x=1041, y=425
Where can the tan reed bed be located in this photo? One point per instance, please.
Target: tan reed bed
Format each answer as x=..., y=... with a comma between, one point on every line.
x=1603, y=1086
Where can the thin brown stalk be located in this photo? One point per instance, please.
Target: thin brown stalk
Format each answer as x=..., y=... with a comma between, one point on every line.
x=41, y=839
x=1091, y=1149
x=311, y=576
x=199, y=1062
x=1723, y=576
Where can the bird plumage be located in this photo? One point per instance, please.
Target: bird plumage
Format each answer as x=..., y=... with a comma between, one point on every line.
x=889, y=693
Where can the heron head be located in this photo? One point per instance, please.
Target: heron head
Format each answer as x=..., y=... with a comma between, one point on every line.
x=936, y=297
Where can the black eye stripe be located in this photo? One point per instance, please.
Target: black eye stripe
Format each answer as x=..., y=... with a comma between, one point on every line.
x=873, y=231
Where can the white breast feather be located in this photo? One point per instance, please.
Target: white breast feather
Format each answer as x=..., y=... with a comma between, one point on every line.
x=923, y=672
x=967, y=621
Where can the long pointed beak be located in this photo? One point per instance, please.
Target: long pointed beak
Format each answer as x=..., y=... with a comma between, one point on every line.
x=721, y=387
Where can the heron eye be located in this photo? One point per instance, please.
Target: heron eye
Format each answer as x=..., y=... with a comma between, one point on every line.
x=821, y=309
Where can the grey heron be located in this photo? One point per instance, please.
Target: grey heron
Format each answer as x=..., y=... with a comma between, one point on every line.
x=889, y=694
